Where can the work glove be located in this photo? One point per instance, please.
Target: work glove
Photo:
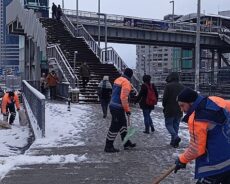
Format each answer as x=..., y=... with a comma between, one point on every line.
x=128, y=113
x=179, y=165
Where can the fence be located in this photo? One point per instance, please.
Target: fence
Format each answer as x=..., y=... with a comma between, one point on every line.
x=35, y=105
x=62, y=89
x=212, y=82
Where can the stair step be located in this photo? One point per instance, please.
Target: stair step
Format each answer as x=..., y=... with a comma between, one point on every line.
x=57, y=33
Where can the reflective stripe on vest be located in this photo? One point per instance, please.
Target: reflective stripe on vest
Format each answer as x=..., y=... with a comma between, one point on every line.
x=214, y=167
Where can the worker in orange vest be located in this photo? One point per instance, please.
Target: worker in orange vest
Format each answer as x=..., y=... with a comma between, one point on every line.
x=10, y=99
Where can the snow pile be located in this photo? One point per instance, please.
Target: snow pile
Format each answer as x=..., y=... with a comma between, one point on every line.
x=62, y=126
x=14, y=139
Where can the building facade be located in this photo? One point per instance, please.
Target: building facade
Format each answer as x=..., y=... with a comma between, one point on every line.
x=154, y=60
x=9, y=55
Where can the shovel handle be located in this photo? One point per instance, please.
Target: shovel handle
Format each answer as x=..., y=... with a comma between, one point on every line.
x=129, y=123
x=164, y=175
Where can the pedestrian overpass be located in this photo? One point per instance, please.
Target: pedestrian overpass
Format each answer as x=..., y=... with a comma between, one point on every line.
x=133, y=30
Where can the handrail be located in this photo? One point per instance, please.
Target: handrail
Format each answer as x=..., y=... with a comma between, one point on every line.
x=80, y=31
x=225, y=38
x=55, y=52
x=112, y=57
x=118, y=20
x=34, y=103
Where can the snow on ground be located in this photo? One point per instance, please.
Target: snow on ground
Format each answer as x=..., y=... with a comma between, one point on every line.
x=14, y=139
x=62, y=126
x=63, y=129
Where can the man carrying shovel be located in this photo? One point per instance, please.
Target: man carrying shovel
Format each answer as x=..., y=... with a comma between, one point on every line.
x=119, y=106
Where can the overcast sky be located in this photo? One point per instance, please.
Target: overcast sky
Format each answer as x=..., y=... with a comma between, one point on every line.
x=155, y=9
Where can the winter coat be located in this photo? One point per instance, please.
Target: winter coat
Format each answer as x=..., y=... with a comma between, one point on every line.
x=7, y=101
x=141, y=98
x=59, y=12
x=171, y=91
x=84, y=71
x=54, y=8
x=52, y=80
x=121, y=89
x=209, y=128
x=104, y=90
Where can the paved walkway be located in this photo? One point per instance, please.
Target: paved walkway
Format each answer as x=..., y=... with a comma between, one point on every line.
x=138, y=166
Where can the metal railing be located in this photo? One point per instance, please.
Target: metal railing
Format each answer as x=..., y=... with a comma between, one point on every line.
x=54, y=52
x=212, y=82
x=80, y=31
x=225, y=38
x=35, y=105
x=118, y=21
x=110, y=56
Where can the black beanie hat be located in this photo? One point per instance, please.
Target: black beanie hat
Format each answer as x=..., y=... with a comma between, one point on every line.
x=11, y=93
x=187, y=95
x=128, y=72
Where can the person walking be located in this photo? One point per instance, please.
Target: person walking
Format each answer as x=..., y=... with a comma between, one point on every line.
x=52, y=81
x=54, y=11
x=59, y=12
x=43, y=84
x=119, y=106
x=208, y=120
x=84, y=73
x=171, y=109
x=104, y=93
x=9, y=101
x=147, y=98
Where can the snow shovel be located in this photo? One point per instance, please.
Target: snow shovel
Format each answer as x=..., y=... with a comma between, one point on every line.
x=22, y=117
x=164, y=175
x=130, y=132
x=4, y=125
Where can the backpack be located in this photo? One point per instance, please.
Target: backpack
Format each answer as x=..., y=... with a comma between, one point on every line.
x=151, y=98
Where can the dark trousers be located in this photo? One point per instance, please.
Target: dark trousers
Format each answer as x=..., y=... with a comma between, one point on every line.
x=118, y=124
x=53, y=92
x=172, y=125
x=53, y=15
x=85, y=80
x=104, y=106
x=43, y=90
x=10, y=108
x=223, y=178
x=147, y=119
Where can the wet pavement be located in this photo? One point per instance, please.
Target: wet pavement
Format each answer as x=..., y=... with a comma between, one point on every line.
x=138, y=166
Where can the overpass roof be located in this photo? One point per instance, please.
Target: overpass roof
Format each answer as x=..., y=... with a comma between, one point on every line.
x=192, y=16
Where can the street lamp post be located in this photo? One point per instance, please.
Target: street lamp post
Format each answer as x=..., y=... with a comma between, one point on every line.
x=197, y=59
x=77, y=13
x=172, y=11
x=144, y=64
x=99, y=26
x=63, y=5
x=74, y=67
x=105, y=21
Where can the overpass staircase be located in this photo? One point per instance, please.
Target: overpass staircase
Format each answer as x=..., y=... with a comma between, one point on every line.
x=66, y=43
